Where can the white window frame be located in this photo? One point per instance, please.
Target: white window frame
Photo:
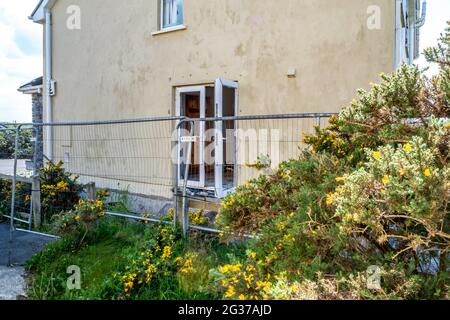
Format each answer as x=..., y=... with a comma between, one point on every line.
x=402, y=33
x=178, y=24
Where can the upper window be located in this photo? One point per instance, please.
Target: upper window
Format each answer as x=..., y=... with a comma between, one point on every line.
x=171, y=13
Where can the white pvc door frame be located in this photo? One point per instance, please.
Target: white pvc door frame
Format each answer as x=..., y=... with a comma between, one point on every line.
x=200, y=136
x=219, y=160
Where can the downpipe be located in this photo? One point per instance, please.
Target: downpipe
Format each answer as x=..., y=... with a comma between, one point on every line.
x=49, y=76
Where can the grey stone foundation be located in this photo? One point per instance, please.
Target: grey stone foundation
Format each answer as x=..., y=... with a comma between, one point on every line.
x=141, y=204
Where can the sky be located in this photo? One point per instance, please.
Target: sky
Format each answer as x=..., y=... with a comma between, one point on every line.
x=21, y=51
x=438, y=13
x=20, y=58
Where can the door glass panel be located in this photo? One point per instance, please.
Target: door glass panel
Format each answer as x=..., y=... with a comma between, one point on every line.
x=191, y=107
x=229, y=142
x=209, y=138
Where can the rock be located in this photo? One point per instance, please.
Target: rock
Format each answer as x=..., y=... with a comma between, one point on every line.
x=12, y=283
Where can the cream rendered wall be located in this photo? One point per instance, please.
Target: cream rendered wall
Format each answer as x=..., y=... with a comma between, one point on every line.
x=114, y=68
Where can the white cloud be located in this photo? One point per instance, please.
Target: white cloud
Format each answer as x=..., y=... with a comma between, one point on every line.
x=20, y=58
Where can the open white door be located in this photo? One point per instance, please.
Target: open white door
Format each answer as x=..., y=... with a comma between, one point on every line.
x=226, y=93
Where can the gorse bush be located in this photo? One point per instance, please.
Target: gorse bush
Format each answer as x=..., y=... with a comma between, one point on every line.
x=83, y=217
x=60, y=191
x=399, y=202
x=394, y=111
x=154, y=261
x=293, y=188
x=373, y=190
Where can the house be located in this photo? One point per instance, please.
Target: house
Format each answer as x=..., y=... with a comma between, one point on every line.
x=115, y=59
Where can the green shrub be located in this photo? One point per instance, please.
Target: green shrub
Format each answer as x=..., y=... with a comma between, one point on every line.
x=7, y=144
x=298, y=187
x=398, y=203
x=60, y=191
x=83, y=217
x=374, y=190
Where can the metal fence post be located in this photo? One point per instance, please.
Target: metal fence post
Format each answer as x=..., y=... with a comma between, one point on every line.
x=36, y=201
x=35, y=210
x=185, y=205
x=177, y=173
x=90, y=191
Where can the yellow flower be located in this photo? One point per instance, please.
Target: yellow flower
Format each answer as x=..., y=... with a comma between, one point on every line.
x=385, y=180
x=250, y=268
x=241, y=297
x=230, y=292
x=281, y=226
x=377, y=155
x=167, y=252
x=77, y=218
x=408, y=148
x=427, y=172
x=330, y=199
x=62, y=186
x=339, y=179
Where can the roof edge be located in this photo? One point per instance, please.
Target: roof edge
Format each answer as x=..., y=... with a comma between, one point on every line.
x=34, y=86
x=31, y=90
x=38, y=14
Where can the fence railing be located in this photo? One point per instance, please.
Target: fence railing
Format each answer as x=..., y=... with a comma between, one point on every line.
x=153, y=165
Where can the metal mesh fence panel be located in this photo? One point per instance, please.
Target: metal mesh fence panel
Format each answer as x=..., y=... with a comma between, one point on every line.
x=16, y=171
x=229, y=151
x=147, y=165
x=132, y=160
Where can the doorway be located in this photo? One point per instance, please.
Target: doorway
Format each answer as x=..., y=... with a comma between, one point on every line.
x=213, y=158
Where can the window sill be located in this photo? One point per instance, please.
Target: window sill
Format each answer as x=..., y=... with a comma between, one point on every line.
x=168, y=30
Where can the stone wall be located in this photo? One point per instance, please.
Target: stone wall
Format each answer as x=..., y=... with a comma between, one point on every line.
x=37, y=117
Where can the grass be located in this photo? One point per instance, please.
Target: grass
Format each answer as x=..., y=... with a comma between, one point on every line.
x=105, y=251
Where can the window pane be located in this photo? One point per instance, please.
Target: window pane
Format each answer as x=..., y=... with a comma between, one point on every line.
x=180, y=11
x=172, y=12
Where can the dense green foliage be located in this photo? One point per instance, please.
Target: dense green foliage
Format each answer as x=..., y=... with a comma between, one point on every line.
x=7, y=143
